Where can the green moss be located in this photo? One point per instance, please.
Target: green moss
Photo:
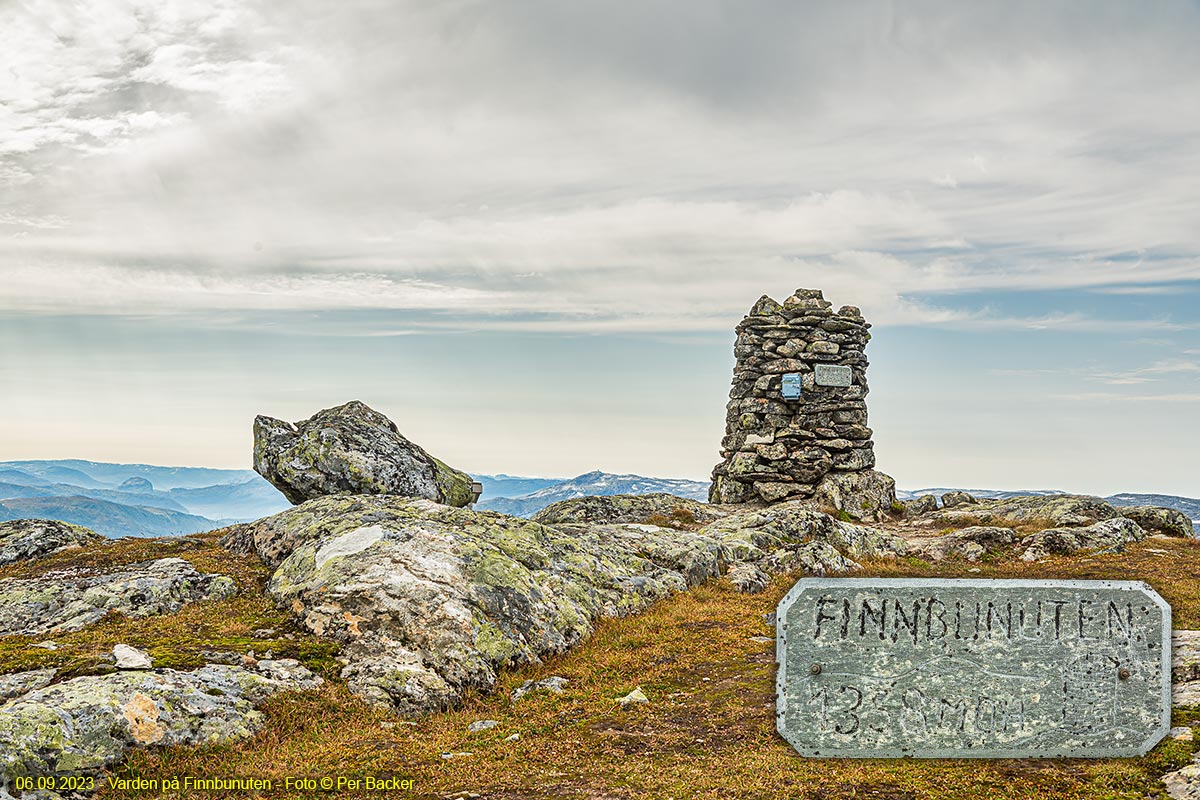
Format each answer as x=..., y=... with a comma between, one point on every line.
x=453, y=485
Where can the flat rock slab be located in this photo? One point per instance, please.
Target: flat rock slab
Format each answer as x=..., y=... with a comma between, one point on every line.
x=68, y=600
x=945, y=668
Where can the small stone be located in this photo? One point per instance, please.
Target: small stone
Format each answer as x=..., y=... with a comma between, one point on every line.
x=637, y=696
x=264, y=633
x=747, y=578
x=131, y=658
x=456, y=755
x=1181, y=734
x=46, y=645
x=387, y=726
x=481, y=725
x=553, y=684
x=514, y=737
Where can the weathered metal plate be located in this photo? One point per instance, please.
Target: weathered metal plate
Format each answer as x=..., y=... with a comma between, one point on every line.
x=946, y=668
x=791, y=386
x=832, y=375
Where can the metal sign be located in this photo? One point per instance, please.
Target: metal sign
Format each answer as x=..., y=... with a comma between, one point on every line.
x=946, y=668
x=832, y=375
x=792, y=388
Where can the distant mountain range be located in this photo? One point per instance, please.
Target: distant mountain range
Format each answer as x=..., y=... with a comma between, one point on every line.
x=134, y=499
x=147, y=500
x=588, y=484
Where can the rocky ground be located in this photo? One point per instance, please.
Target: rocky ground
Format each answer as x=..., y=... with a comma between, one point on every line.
x=430, y=608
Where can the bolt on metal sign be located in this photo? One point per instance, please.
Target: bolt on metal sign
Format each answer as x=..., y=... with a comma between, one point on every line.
x=942, y=668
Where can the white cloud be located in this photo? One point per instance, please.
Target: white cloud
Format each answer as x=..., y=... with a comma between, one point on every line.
x=651, y=166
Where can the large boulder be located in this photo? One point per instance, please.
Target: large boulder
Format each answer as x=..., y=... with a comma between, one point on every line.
x=1156, y=519
x=627, y=508
x=867, y=495
x=84, y=725
x=68, y=600
x=27, y=539
x=429, y=601
x=351, y=449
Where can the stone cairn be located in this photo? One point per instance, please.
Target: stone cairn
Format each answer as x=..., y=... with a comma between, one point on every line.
x=783, y=449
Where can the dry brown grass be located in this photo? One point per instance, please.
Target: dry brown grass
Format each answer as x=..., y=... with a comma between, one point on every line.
x=708, y=731
x=174, y=640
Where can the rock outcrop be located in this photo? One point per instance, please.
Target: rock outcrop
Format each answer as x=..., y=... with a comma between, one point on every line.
x=67, y=600
x=1109, y=536
x=27, y=539
x=627, y=508
x=796, y=422
x=351, y=449
x=756, y=534
x=1155, y=519
x=429, y=601
x=83, y=725
x=1057, y=510
x=969, y=544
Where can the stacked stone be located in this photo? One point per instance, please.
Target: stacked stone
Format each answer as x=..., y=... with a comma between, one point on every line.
x=776, y=449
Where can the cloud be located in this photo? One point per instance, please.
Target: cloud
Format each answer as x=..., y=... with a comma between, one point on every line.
x=653, y=166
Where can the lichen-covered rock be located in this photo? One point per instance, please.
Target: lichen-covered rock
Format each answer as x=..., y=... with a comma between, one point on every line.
x=1185, y=656
x=627, y=508
x=1186, y=695
x=1184, y=783
x=1057, y=510
x=1155, y=519
x=970, y=544
x=751, y=535
x=748, y=578
x=925, y=504
x=956, y=498
x=83, y=725
x=429, y=601
x=27, y=539
x=812, y=558
x=67, y=600
x=867, y=495
x=18, y=683
x=351, y=449
x=1109, y=536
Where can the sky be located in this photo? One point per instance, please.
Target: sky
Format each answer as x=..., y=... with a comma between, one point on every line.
x=526, y=231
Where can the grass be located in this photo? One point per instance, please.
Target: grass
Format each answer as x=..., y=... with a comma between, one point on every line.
x=173, y=640
x=707, y=732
